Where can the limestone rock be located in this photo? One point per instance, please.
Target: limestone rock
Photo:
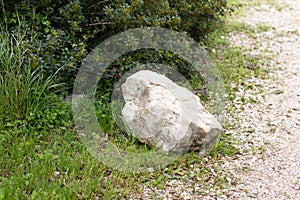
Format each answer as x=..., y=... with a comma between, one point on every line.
x=165, y=115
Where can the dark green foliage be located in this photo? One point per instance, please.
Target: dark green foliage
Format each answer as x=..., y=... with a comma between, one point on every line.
x=65, y=31
x=198, y=18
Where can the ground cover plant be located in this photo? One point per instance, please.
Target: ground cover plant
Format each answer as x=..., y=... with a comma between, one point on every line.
x=42, y=156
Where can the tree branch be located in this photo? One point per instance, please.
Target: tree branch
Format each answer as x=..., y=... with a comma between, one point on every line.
x=101, y=2
x=100, y=23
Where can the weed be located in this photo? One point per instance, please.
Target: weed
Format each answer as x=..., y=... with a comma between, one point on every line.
x=263, y=28
x=23, y=90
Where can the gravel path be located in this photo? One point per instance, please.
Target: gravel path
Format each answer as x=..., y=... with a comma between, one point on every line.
x=275, y=119
x=268, y=167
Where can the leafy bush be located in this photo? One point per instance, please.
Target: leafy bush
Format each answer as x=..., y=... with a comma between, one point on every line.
x=66, y=31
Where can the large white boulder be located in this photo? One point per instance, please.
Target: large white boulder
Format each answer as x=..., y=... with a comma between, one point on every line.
x=165, y=115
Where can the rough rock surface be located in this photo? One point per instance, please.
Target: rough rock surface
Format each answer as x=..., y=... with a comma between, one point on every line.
x=166, y=115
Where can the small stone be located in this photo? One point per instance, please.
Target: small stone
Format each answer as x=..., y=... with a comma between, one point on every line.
x=251, y=195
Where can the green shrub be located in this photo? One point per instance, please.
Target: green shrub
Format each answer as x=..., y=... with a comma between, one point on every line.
x=66, y=31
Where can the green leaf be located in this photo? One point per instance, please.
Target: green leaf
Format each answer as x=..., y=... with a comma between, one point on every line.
x=2, y=193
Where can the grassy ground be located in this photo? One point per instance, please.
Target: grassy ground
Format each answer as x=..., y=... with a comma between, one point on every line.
x=49, y=161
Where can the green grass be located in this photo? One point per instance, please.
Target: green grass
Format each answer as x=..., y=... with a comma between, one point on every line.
x=240, y=27
x=23, y=89
x=51, y=162
x=263, y=28
x=251, y=3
